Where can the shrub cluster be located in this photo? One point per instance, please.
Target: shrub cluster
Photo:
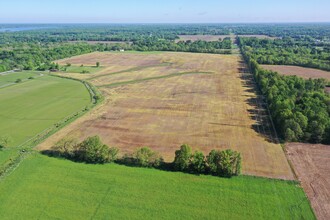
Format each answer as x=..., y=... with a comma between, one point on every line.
x=5, y=141
x=91, y=150
x=220, y=163
x=143, y=157
x=225, y=163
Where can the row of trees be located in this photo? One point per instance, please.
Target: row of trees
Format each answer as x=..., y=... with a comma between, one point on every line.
x=225, y=163
x=299, y=108
x=221, y=46
x=220, y=163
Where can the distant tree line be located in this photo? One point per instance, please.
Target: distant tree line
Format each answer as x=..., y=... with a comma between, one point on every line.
x=224, y=163
x=288, y=51
x=221, y=46
x=41, y=56
x=136, y=32
x=299, y=108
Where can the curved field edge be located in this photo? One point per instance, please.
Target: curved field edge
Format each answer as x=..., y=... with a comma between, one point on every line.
x=51, y=188
x=12, y=157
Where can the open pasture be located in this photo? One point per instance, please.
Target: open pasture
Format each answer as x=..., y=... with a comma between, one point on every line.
x=30, y=107
x=311, y=163
x=49, y=188
x=10, y=78
x=303, y=72
x=198, y=99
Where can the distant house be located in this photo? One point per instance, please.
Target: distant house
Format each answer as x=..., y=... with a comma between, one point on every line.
x=122, y=50
x=54, y=70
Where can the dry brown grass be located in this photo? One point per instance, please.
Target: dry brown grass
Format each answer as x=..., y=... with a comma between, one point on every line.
x=312, y=166
x=209, y=107
x=303, y=72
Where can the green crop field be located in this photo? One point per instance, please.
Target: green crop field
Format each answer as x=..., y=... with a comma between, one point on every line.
x=6, y=154
x=12, y=77
x=50, y=188
x=32, y=106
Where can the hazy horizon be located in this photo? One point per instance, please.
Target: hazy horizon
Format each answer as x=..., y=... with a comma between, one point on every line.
x=167, y=12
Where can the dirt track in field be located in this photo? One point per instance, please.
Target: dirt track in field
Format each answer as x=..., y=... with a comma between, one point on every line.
x=164, y=100
x=312, y=166
x=303, y=72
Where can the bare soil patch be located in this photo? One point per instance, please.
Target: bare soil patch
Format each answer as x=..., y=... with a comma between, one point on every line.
x=211, y=105
x=312, y=166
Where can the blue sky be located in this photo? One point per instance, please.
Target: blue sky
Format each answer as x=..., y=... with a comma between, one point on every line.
x=163, y=11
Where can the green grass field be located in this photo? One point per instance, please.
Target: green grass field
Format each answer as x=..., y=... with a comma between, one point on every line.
x=6, y=154
x=12, y=77
x=50, y=188
x=32, y=106
x=80, y=69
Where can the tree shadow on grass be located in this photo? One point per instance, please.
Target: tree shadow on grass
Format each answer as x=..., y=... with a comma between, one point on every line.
x=259, y=112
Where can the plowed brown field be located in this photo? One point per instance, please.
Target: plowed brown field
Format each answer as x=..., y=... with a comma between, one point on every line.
x=163, y=100
x=299, y=71
x=312, y=166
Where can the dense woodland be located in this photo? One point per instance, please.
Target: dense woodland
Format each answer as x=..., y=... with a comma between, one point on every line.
x=299, y=108
x=304, y=52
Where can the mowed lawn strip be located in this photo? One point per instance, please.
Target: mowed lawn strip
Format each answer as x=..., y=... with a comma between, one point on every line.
x=49, y=188
x=29, y=108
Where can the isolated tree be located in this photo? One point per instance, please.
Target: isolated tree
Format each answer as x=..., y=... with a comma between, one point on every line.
x=230, y=163
x=18, y=81
x=145, y=157
x=224, y=163
x=66, y=147
x=68, y=64
x=212, y=160
x=97, y=64
x=198, y=162
x=112, y=154
x=290, y=135
x=92, y=150
x=182, y=158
